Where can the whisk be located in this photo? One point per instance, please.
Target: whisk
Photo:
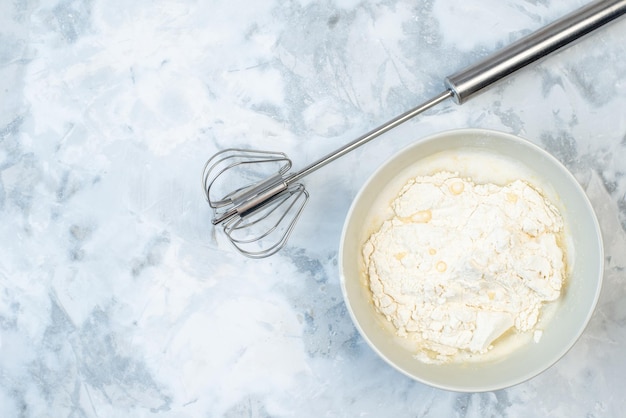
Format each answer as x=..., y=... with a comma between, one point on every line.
x=261, y=211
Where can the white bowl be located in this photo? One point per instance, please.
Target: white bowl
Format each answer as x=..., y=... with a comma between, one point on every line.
x=584, y=255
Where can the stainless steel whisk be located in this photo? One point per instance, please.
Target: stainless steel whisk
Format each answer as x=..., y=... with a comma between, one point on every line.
x=259, y=215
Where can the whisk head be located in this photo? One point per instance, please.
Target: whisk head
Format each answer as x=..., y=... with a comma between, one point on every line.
x=252, y=200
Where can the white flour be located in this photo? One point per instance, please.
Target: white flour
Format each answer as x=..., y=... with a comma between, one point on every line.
x=459, y=264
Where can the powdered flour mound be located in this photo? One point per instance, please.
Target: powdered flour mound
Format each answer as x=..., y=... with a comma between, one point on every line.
x=459, y=264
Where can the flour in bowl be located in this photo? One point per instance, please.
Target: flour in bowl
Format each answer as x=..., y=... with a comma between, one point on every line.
x=459, y=264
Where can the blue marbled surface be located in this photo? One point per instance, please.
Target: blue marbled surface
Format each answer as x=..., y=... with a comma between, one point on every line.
x=117, y=297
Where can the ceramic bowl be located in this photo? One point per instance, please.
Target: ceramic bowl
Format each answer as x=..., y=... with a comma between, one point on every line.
x=584, y=257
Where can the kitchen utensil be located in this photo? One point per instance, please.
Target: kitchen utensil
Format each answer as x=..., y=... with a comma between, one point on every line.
x=258, y=216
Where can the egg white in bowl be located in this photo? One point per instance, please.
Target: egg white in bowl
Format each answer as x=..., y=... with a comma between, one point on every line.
x=489, y=157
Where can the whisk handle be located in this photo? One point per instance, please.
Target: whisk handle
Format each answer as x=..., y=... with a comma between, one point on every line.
x=471, y=80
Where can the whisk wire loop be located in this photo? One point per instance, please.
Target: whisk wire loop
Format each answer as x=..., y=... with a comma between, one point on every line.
x=265, y=231
x=235, y=158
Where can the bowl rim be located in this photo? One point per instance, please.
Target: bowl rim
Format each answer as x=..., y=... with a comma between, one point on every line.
x=597, y=238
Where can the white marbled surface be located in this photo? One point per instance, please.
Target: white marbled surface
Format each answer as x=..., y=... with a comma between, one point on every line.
x=117, y=298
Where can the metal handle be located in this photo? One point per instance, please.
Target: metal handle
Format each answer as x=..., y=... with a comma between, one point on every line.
x=471, y=80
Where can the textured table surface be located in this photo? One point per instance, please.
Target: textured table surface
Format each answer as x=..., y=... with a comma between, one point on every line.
x=117, y=297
